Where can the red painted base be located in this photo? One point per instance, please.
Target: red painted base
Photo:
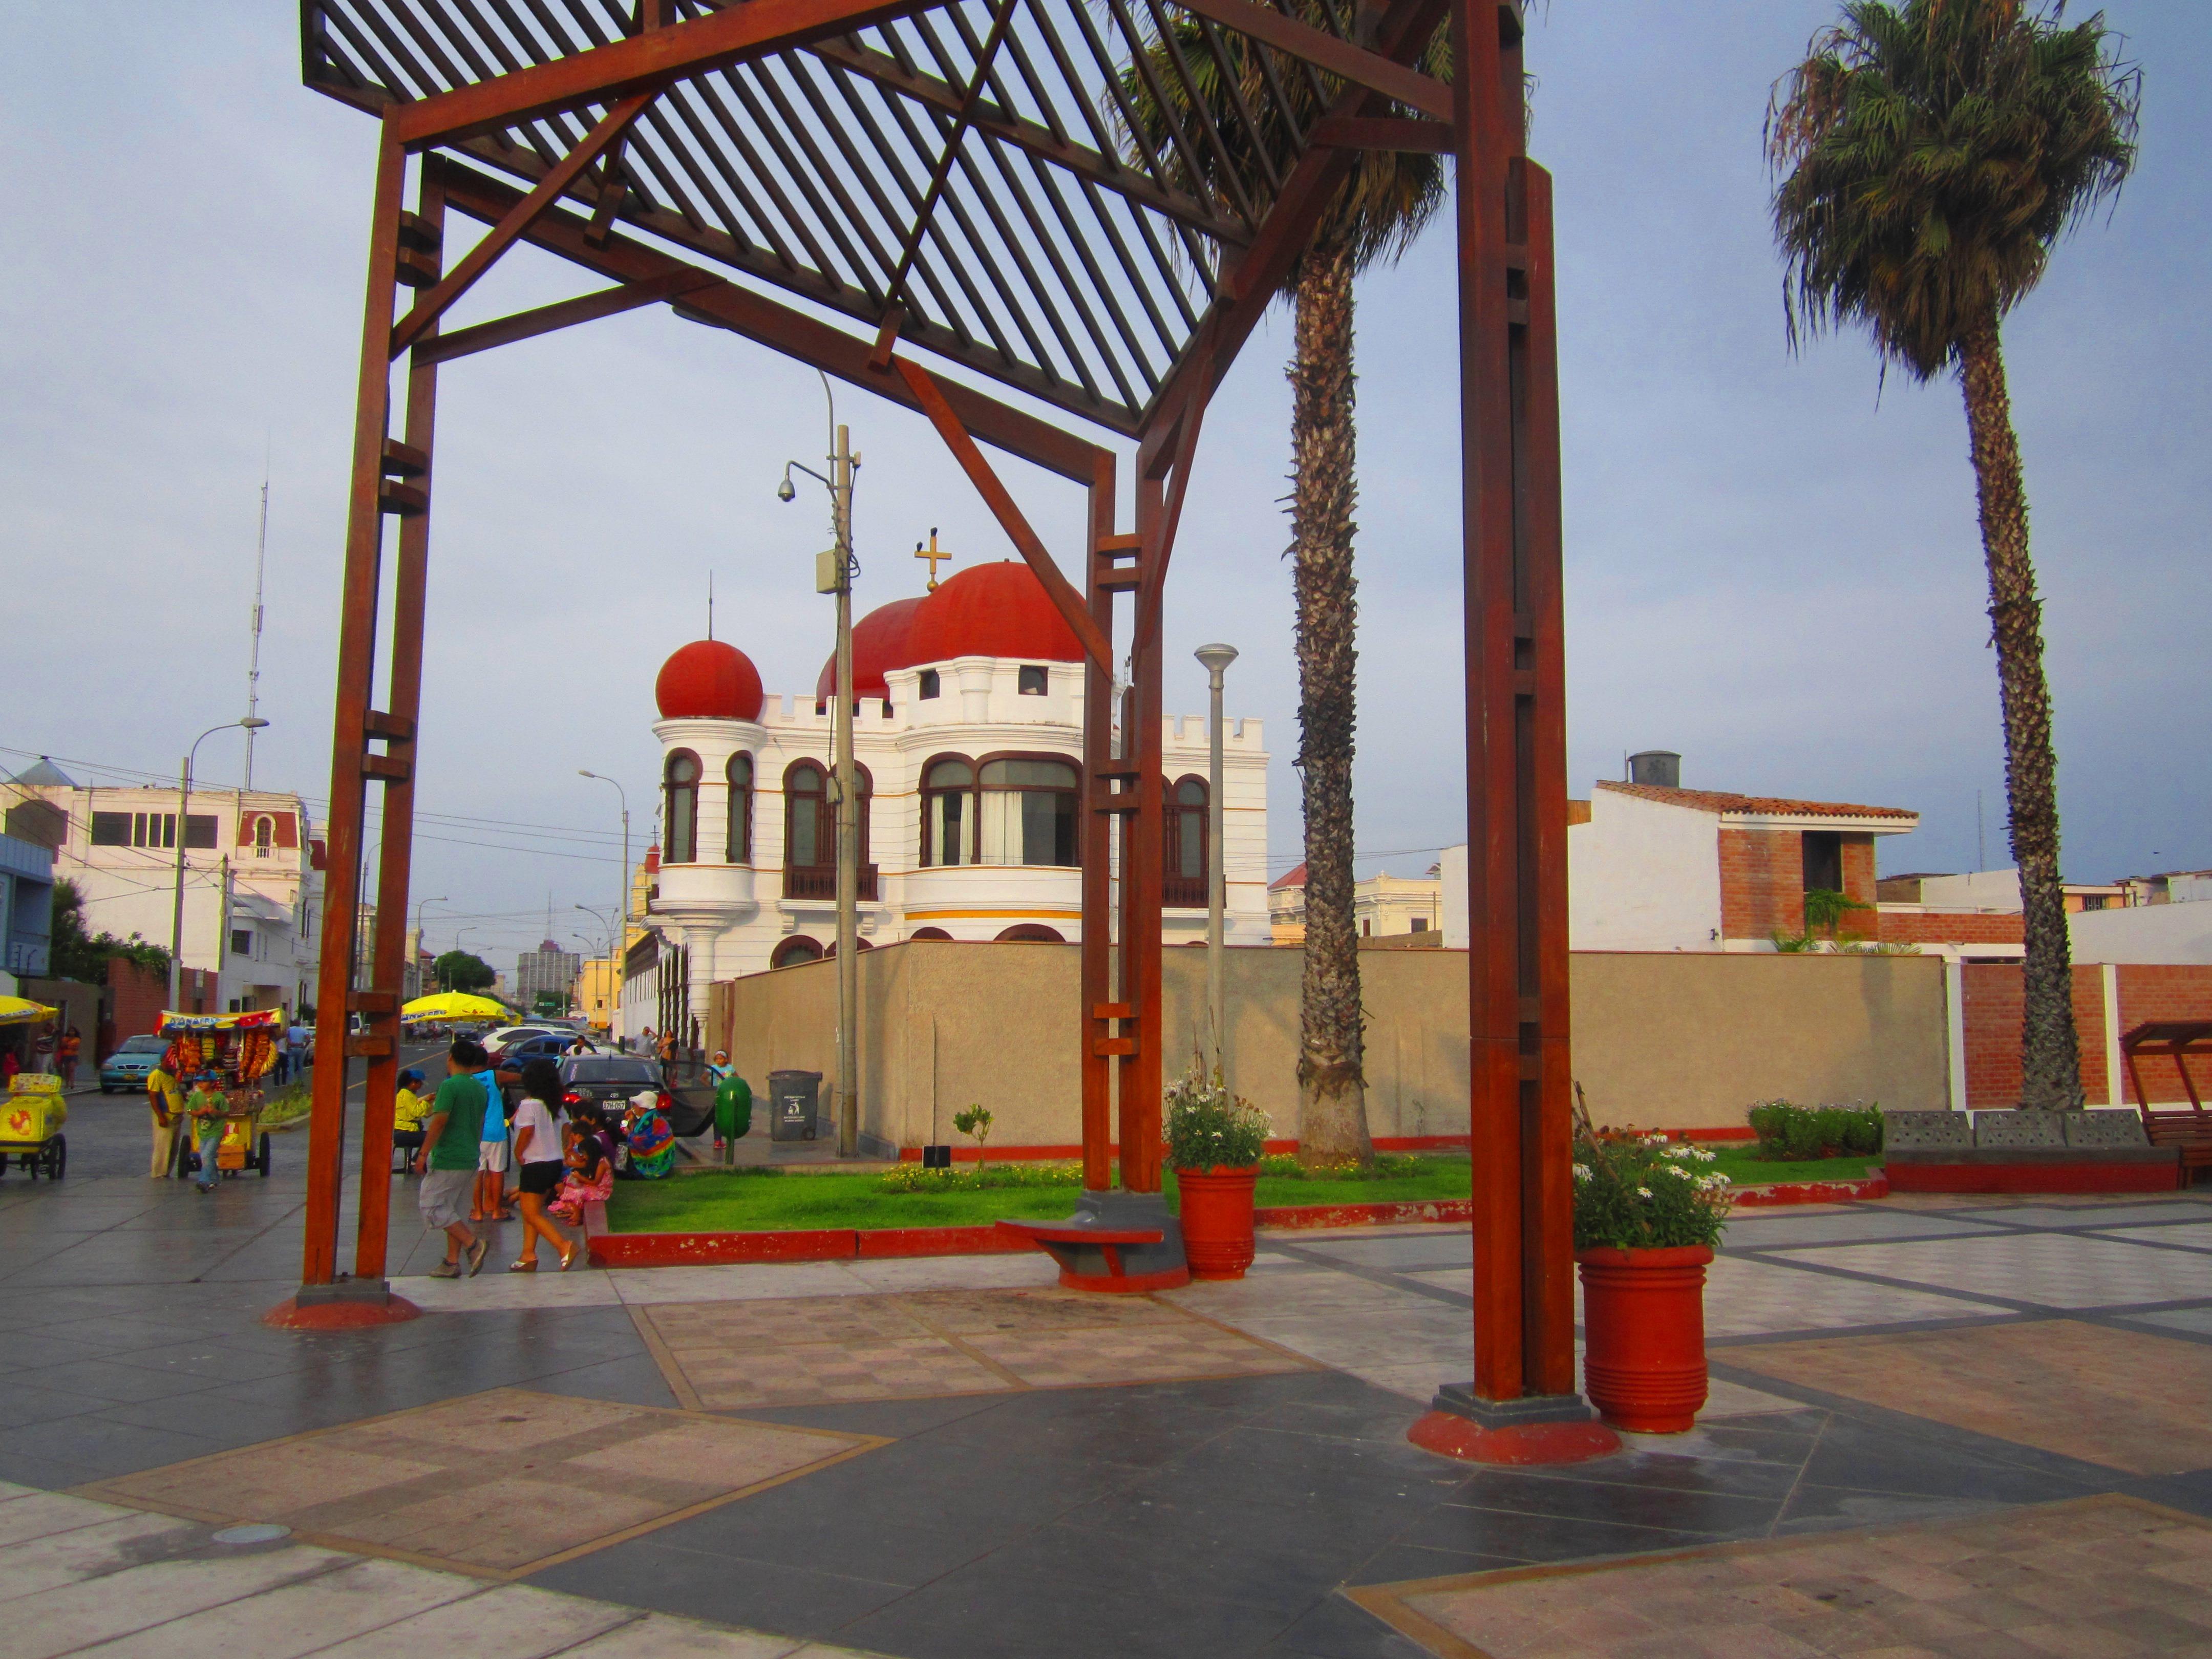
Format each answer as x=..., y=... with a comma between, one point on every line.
x=2131, y=1177
x=1448, y=1435
x=1812, y=1192
x=289, y=1316
x=1128, y=1284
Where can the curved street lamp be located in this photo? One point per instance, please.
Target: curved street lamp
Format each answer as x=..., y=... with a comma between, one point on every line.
x=251, y=723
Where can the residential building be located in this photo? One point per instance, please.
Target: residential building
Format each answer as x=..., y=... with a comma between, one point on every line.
x=969, y=737
x=1994, y=891
x=1383, y=906
x=26, y=903
x=249, y=861
x=2173, y=887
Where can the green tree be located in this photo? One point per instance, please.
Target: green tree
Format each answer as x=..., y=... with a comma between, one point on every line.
x=458, y=970
x=1929, y=155
x=1383, y=207
x=80, y=954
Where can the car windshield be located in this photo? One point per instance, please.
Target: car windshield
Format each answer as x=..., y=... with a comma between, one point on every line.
x=612, y=1071
x=144, y=1045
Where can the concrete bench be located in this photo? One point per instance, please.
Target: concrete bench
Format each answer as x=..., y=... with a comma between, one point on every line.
x=1114, y=1241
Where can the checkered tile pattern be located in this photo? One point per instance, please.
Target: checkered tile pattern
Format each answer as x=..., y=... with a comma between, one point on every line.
x=736, y=1356
x=2093, y=1577
x=497, y=1484
x=2052, y=1270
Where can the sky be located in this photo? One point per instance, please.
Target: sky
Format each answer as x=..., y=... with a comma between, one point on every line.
x=1772, y=565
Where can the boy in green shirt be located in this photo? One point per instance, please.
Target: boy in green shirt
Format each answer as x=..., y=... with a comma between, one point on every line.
x=447, y=1160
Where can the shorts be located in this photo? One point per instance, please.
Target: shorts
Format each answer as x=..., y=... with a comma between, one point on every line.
x=541, y=1176
x=444, y=1197
x=491, y=1156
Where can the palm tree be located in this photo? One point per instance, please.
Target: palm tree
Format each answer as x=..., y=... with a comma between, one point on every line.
x=1931, y=154
x=1383, y=206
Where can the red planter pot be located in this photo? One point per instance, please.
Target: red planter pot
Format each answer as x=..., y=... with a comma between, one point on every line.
x=1643, y=1319
x=1216, y=1221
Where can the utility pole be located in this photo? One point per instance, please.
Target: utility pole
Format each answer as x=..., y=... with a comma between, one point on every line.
x=222, y=932
x=842, y=462
x=253, y=723
x=1216, y=659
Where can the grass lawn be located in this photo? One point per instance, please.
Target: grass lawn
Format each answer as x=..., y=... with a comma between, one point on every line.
x=713, y=1202
x=1743, y=1165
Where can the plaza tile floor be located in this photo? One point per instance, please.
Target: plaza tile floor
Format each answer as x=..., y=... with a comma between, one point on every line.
x=1026, y=1491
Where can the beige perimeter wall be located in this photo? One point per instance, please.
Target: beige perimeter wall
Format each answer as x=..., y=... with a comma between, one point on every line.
x=1674, y=1040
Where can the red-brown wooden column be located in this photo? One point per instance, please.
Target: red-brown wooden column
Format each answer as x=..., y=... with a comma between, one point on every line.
x=423, y=236
x=1142, y=866
x=348, y=741
x=1519, y=1068
x=1102, y=1020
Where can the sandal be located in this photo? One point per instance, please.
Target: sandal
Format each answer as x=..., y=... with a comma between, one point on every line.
x=568, y=1256
x=522, y=1266
x=476, y=1254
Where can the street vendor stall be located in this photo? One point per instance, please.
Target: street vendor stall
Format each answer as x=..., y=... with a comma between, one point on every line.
x=34, y=1109
x=222, y=1059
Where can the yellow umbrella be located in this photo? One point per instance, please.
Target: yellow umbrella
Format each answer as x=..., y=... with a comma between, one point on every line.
x=454, y=1005
x=18, y=1010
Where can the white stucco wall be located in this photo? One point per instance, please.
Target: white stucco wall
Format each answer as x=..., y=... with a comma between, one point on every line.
x=2144, y=933
x=1643, y=875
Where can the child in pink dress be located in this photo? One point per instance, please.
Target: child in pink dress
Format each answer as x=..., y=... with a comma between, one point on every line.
x=590, y=1168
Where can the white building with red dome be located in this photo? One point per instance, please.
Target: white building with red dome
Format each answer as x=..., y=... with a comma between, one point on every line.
x=968, y=736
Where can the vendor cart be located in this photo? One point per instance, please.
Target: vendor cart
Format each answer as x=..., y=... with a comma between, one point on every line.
x=234, y=1053
x=31, y=1120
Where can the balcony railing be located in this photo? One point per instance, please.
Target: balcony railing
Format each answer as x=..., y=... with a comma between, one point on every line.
x=1185, y=893
x=819, y=881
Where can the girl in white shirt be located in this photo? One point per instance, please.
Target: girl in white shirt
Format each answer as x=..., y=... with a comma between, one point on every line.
x=536, y=1145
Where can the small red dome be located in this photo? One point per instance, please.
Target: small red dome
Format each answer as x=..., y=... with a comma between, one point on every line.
x=880, y=644
x=998, y=609
x=709, y=680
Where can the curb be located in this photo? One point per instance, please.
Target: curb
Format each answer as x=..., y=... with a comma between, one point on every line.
x=1875, y=1185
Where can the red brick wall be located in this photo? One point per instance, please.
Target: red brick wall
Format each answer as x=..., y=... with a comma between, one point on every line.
x=1991, y=1010
x=139, y=998
x=1858, y=879
x=1950, y=928
x=2164, y=992
x=1763, y=883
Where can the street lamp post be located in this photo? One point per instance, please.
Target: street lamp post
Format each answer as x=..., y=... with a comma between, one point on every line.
x=252, y=723
x=626, y=876
x=834, y=572
x=1216, y=659
x=415, y=963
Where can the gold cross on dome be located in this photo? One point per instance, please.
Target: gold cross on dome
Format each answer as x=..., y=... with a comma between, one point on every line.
x=933, y=554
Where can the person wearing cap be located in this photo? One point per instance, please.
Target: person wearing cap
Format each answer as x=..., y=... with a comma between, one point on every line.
x=408, y=1108
x=447, y=1158
x=652, y=1142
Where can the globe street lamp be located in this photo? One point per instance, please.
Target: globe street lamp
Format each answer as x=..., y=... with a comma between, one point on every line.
x=1216, y=659
x=251, y=723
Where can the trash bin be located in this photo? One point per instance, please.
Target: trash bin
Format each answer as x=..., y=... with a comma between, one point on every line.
x=792, y=1102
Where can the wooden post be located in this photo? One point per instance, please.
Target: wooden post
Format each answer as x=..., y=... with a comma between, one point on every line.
x=1099, y=1031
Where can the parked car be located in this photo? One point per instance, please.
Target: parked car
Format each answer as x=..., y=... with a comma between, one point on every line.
x=506, y=1036
x=541, y=1045
x=606, y=1078
x=127, y=1067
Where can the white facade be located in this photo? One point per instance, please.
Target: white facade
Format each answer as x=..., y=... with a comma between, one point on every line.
x=120, y=850
x=1642, y=875
x=738, y=916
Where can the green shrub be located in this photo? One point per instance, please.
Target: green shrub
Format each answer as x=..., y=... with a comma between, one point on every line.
x=1208, y=1128
x=1644, y=1193
x=913, y=1178
x=1800, y=1135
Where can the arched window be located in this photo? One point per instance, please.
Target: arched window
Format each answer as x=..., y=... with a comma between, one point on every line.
x=928, y=688
x=681, y=815
x=1184, y=825
x=809, y=841
x=948, y=812
x=795, y=950
x=739, y=850
x=264, y=835
x=1030, y=681
x=929, y=932
x=1027, y=812
x=1030, y=933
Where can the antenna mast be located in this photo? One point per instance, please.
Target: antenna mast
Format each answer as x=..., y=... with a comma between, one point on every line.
x=253, y=661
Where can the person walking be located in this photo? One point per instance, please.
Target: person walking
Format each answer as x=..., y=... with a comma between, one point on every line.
x=537, y=1164
x=166, y=1099
x=492, y=1155
x=208, y=1106
x=452, y=1138
x=296, y=1050
x=65, y=1054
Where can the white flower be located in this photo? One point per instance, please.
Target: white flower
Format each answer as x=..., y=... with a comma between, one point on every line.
x=1582, y=1172
x=1701, y=1155
x=1677, y=1170
x=1644, y=1191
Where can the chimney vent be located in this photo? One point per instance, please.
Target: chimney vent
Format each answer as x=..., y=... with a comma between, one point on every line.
x=1661, y=768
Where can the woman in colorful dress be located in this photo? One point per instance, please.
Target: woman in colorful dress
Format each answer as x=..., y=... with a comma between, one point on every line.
x=652, y=1142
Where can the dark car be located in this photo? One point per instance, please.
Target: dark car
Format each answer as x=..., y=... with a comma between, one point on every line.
x=127, y=1067
x=609, y=1078
x=517, y=1054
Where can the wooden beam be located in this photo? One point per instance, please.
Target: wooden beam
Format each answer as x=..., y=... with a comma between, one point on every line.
x=563, y=313
x=1373, y=71
x=645, y=63
x=501, y=236
x=1064, y=597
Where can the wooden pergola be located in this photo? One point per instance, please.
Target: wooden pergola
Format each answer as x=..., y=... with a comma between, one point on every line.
x=889, y=190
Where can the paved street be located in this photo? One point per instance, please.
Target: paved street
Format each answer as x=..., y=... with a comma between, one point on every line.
x=984, y=1465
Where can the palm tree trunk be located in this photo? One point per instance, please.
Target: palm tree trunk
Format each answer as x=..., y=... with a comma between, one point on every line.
x=1332, y=1081
x=2051, y=1057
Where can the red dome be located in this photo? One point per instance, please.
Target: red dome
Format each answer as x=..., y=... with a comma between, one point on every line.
x=709, y=680
x=991, y=611
x=879, y=642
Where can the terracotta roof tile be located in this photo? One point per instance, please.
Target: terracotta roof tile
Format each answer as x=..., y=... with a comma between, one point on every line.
x=1288, y=878
x=1720, y=800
